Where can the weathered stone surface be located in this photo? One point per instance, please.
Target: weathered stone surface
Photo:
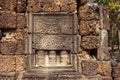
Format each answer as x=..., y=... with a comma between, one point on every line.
x=20, y=47
x=90, y=42
x=117, y=78
x=88, y=13
x=104, y=68
x=20, y=35
x=115, y=55
x=52, y=76
x=7, y=76
x=103, y=53
x=34, y=75
x=51, y=5
x=89, y=27
x=21, y=21
x=21, y=5
x=7, y=63
x=94, y=78
x=113, y=63
x=116, y=71
x=82, y=2
x=8, y=4
x=84, y=55
x=8, y=47
x=106, y=78
x=20, y=62
x=104, y=12
x=1, y=34
x=67, y=5
x=89, y=68
x=7, y=20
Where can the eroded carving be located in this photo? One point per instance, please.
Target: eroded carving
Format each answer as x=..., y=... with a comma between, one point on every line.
x=53, y=24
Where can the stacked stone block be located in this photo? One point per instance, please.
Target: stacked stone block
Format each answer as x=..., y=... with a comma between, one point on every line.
x=93, y=58
x=116, y=71
x=12, y=43
x=94, y=45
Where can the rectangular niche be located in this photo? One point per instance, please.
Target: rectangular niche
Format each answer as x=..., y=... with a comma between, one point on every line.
x=53, y=58
x=52, y=41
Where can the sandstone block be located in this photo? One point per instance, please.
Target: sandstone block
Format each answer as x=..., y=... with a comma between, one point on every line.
x=7, y=76
x=1, y=33
x=94, y=78
x=106, y=78
x=51, y=5
x=21, y=6
x=117, y=78
x=20, y=62
x=21, y=21
x=89, y=27
x=82, y=2
x=7, y=20
x=88, y=13
x=90, y=42
x=8, y=4
x=8, y=47
x=68, y=5
x=116, y=71
x=91, y=78
x=103, y=53
x=104, y=68
x=7, y=63
x=89, y=68
x=20, y=47
x=113, y=63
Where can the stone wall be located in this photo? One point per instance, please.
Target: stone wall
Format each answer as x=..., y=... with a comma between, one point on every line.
x=93, y=56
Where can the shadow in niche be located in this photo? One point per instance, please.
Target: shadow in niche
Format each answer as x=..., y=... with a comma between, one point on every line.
x=93, y=53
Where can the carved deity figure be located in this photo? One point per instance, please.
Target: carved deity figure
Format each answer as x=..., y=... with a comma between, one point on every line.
x=52, y=58
x=64, y=56
x=40, y=58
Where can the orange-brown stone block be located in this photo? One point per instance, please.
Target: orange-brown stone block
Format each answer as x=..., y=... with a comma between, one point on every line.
x=89, y=27
x=117, y=78
x=8, y=4
x=90, y=42
x=107, y=78
x=82, y=2
x=20, y=47
x=20, y=62
x=21, y=6
x=8, y=47
x=116, y=71
x=7, y=20
x=21, y=20
x=104, y=68
x=51, y=5
x=89, y=68
x=7, y=63
x=88, y=13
